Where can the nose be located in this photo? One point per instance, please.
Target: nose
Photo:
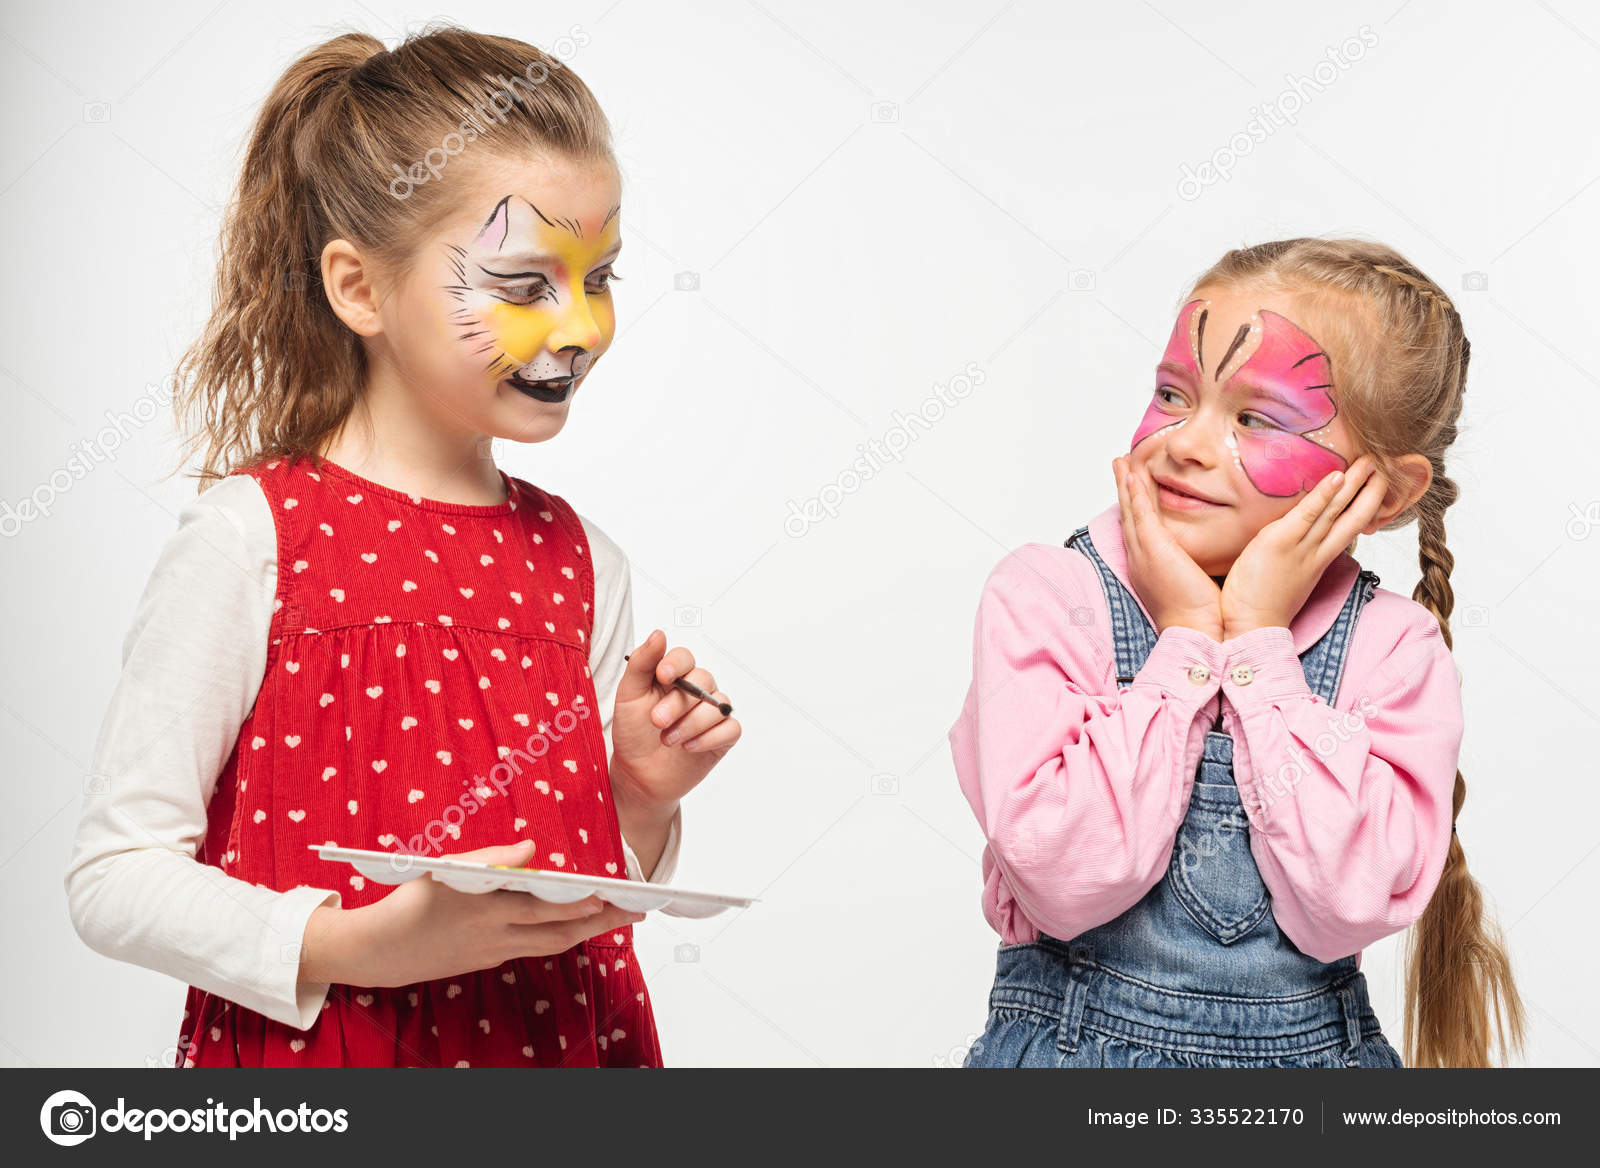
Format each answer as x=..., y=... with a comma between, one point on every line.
x=1194, y=440
x=577, y=328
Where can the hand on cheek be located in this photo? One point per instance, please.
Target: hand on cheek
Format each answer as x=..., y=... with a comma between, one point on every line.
x=1277, y=570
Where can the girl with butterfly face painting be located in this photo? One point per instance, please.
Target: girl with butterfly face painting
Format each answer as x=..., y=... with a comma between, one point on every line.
x=1212, y=759
x=364, y=633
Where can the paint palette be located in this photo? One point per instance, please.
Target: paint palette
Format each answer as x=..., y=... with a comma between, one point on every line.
x=556, y=887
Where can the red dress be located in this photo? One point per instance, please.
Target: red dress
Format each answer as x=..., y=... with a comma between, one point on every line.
x=427, y=690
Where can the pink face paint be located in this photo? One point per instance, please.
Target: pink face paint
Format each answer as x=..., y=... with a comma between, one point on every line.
x=1183, y=351
x=1286, y=381
x=1280, y=379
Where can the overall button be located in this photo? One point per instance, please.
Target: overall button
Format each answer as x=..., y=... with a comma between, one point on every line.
x=1243, y=675
x=1199, y=674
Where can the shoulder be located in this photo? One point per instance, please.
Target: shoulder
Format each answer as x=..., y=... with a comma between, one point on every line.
x=609, y=560
x=1396, y=637
x=1044, y=574
x=230, y=518
x=606, y=557
x=1045, y=602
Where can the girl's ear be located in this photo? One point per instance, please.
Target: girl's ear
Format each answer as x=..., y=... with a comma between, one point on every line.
x=1413, y=475
x=348, y=280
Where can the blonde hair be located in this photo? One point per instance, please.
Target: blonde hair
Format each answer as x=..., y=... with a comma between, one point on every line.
x=275, y=371
x=1400, y=356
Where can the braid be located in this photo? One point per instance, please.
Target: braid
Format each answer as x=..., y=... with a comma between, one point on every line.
x=1409, y=277
x=1458, y=970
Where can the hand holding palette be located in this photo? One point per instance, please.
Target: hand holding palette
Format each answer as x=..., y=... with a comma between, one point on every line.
x=557, y=887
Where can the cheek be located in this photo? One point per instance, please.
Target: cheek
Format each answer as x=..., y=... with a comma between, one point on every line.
x=519, y=331
x=1154, y=419
x=605, y=319
x=1283, y=465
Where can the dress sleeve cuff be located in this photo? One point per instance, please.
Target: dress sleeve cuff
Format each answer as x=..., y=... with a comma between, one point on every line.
x=284, y=998
x=1186, y=664
x=1262, y=666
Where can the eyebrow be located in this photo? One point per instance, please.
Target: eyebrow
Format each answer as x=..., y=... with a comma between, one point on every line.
x=1239, y=386
x=1245, y=387
x=535, y=259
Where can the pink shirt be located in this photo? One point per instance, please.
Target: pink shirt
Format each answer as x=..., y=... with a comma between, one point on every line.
x=1080, y=789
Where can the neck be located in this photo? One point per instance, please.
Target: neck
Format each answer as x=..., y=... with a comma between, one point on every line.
x=388, y=439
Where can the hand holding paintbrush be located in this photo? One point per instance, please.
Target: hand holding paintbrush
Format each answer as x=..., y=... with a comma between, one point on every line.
x=671, y=725
x=695, y=691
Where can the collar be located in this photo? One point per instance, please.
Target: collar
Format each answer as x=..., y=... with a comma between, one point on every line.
x=1315, y=617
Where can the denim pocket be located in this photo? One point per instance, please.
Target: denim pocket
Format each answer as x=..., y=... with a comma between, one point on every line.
x=1212, y=872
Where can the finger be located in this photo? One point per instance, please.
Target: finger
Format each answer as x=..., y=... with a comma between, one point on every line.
x=676, y=703
x=508, y=855
x=1315, y=506
x=721, y=736
x=528, y=909
x=1146, y=517
x=1355, y=476
x=1125, y=499
x=1368, y=500
x=698, y=720
x=537, y=940
x=637, y=679
x=674, y=665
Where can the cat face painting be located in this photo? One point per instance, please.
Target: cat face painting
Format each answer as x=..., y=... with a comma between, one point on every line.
x=1278, y=383
x=532, y=293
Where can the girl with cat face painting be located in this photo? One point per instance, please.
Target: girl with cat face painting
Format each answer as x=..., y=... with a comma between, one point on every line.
x=1212, y=759
x=364, y=632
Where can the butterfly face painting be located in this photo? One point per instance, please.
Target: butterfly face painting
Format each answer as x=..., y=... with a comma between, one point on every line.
x=533, y=295
x=1277, y=382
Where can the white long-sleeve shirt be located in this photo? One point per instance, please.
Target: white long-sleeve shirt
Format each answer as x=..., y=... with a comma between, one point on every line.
x=192, y=665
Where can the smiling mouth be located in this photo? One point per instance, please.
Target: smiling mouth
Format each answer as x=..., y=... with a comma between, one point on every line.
x=1180, y=495
x=553, y=389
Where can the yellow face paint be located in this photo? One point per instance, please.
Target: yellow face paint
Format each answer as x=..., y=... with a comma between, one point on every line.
x=535, y=292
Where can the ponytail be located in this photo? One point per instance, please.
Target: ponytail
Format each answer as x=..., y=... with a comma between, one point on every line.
x=276, y=371
x=275, y=368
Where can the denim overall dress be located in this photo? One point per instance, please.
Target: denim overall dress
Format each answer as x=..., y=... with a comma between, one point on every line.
x=1196, y=974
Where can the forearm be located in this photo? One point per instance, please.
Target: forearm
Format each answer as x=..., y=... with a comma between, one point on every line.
x=1079, y=794
x=646, y=826
x=1349, y=809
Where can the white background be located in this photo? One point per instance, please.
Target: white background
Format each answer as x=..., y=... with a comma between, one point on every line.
x=872, y=197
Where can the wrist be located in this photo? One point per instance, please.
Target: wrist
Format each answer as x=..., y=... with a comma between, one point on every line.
x=1234, y=629
x=326, y=946
x=636, y=807
x=1211, y=627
